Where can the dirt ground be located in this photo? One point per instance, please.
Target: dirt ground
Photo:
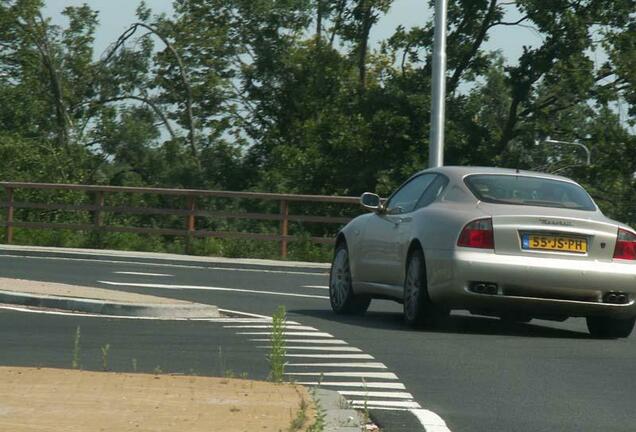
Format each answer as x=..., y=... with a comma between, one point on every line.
x=39, y=399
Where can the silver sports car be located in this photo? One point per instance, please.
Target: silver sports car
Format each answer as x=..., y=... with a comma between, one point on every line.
x=499, y=242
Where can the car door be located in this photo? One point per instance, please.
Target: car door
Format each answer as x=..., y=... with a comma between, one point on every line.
x=407, y=228
x=384, y=234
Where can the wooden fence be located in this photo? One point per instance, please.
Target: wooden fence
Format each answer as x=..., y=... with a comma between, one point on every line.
x=98, y=195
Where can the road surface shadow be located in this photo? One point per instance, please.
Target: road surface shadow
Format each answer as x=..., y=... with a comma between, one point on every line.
x=458, y=324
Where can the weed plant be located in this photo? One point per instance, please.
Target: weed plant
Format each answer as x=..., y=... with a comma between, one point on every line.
x=278, y=350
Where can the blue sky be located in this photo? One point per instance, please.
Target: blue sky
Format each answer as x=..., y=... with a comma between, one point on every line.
x=116, y=15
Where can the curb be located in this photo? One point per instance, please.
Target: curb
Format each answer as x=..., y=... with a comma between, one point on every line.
x=175, y=310
x=339, y=416
x=161, y=258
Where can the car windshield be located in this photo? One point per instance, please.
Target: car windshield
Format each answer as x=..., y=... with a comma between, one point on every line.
x=526, y=190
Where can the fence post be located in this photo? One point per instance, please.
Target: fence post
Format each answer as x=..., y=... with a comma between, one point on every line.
x=9, y=215
x=190, y=223
x=98, y=213
x=284, y=227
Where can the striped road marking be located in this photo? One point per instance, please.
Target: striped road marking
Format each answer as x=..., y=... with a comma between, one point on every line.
x=316, y=287
x=364, y=387
x=378, y=394
x=289, y=333
x=317, y=348
x=143, y=274
x=378, y=375
x=358, y=384
x=333, y=356
x=308, y=341
x=365, y=365
x=269, y=326
x=386, y=403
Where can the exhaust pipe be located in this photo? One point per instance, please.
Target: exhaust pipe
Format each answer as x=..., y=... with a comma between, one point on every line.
x=616, y=297
x=484, y=288
x=491, y=288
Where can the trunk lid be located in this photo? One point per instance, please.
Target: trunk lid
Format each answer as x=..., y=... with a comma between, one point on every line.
x=552, y=232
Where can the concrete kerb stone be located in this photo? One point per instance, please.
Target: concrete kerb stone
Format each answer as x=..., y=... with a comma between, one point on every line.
x=105, y=307
x=339, y=416
x=154, y=257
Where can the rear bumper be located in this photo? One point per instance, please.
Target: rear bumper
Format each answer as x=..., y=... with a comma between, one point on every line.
x=533, y=285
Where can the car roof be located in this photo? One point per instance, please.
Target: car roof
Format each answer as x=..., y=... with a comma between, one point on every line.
x=458, y=172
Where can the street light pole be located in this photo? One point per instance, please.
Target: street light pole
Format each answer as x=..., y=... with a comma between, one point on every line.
x=574, y=143
x=438, y=101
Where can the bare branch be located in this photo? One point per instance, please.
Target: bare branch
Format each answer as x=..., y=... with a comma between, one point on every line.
x=479, y=39
x=182, y=70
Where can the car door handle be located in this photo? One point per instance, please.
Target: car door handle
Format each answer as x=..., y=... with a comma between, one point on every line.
x=402, y=220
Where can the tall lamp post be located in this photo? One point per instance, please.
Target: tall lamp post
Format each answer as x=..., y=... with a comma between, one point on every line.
x=574, y=143
x=438, y=100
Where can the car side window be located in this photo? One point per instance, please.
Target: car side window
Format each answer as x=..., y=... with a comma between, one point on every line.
x=433, y=191
x=406, y=198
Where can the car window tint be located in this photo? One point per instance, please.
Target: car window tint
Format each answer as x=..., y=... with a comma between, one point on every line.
x=433, y=191
x=405, y=199
x=531, y=191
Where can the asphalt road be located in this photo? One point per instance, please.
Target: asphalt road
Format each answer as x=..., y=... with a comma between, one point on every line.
x=478, y=374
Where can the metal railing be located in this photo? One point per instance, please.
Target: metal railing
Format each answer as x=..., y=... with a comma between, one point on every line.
x=190, y=212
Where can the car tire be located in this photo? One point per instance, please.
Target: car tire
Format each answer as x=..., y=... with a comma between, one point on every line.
x=341, y=296
x=610, y=328
x=419, y=310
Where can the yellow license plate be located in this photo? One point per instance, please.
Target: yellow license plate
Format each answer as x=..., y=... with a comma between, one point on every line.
x=554, y=243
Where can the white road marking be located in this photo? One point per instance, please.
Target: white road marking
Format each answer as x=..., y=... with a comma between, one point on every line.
x=89, y=315
x=310, y=348
x=366, y=365
x=264, y=317
x=380, y=394
x=209, y=288
x=143, y=274
x=431, y=421
x=266, y=326
x=386, y=403
x=289, y=333
x=154, y=264
x=379, y=375
x=359, y=384
x=316, y=286
x=309, y=341
x=334, y=356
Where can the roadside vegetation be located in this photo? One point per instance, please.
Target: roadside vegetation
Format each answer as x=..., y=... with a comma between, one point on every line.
x=293, y=97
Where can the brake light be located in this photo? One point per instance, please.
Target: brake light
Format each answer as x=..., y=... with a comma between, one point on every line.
x=478, y=234
x=625, y=245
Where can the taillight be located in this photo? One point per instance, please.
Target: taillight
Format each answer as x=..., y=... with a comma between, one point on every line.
x=625, y=245
x=478, y=234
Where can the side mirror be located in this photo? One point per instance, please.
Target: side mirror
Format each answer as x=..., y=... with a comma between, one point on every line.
x=371, y=201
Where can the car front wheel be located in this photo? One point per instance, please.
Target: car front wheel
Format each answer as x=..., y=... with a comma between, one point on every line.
x=343, y=300
x=610, y=328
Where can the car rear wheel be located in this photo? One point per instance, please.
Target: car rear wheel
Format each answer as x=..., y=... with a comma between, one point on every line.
x=343, y=300
x=610, y=328
x=419, y=310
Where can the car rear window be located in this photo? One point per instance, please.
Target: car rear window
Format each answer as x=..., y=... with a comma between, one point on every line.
x=527, y=190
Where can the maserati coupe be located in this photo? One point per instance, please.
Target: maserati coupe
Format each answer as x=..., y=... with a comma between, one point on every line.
x=506, y=243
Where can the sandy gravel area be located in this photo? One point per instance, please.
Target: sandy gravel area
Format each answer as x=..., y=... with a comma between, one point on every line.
x=39, y=399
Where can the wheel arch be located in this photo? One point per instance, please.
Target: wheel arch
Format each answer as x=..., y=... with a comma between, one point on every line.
x=340, y=239
x=413, y=246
